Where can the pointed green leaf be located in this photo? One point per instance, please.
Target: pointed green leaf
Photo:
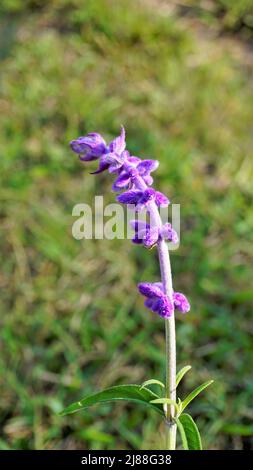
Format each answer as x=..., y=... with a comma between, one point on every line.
x=194, y=393
x=130, y=393
x=189, y=432
x=182, y=434
x=181, y=373
x=179, y=405
x=165, y=401
x=152, y=382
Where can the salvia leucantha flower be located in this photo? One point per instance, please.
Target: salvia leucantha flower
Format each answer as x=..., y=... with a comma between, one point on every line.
x=132, y=168
x=141, y=199
x=133, y=176
x=159, y=303
x=149, y=236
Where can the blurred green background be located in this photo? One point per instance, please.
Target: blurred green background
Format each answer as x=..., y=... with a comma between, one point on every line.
x=178, y=75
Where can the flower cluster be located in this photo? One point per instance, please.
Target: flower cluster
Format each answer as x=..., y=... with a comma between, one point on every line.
x=149, y=236
x=133, y=176
x=158, y=302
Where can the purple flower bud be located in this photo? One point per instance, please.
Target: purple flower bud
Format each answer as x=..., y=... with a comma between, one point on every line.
x=151, y=237
x=148, y=180
x=147, y=196
x=149, y=303
x=150, y=289
x=130, y=197
x=111, y=162
x=122, y=182
x=180, y=302
x=134, y=160
x=132, y=168
x=168, y=233
x=118, y=145
x=156, y=300
x=137, y=197
x=147, y=166
x=161, y=199
x=90, y=147
x=163, y=307
x=144, y=234
x=138, y=225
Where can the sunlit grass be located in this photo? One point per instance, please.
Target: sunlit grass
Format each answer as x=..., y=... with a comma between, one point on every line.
x=69, y=68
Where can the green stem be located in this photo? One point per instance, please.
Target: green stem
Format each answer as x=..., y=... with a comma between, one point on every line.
x=170, y=340
x=171, y=427
x=170, y=330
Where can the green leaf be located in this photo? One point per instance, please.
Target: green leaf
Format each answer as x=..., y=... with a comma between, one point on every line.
x=194, y=393
x=131, y=393
x=189, y=432
x=181, y=373
x=165, y=401
x=182, y=434
x=151, y=382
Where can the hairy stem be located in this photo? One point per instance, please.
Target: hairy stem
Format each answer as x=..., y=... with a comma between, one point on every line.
x=170, y=338
x=170, y=330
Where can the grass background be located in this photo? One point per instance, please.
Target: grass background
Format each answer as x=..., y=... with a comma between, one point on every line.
x=179, y=77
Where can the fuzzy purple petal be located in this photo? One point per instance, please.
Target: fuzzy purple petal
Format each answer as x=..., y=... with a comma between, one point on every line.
x=118, y=145
x=149, y=303
x=139, y=225
x=161, y=199
x=89, y=147
x=147, y=166
x=164, y=307
x=147, y=196
x=134, y=160
x=180, y=302
x=151, y=237
x=103, y=165
x=159, y=285
x=130, y=197
x=137, y=240
x=148, y=180
x=168, y=233
x=149, y=289
x=121, y=182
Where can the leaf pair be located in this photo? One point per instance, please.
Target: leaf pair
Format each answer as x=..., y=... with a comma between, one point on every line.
x=136, y=393
x=143, y=395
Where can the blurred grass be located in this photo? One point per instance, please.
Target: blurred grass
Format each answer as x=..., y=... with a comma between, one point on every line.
x=234, y=16
x=71, y=320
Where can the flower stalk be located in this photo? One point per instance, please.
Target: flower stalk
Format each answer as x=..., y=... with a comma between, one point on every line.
x=170, y=329
x=133, y=176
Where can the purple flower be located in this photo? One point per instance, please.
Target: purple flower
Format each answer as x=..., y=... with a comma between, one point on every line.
x=111, y=162
x=159, y=302
x=93, y=146
x=149, y=236
x=180, y=302
x=115, y=156
x=141, y=198
x=132, y=168
x=150, y=289
x=118, y=145
x=161, y=199
x=144, y=234
x=134, y=176
x=156, y=300
x=137, y=197
x=90, y=147
x=168, y=233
